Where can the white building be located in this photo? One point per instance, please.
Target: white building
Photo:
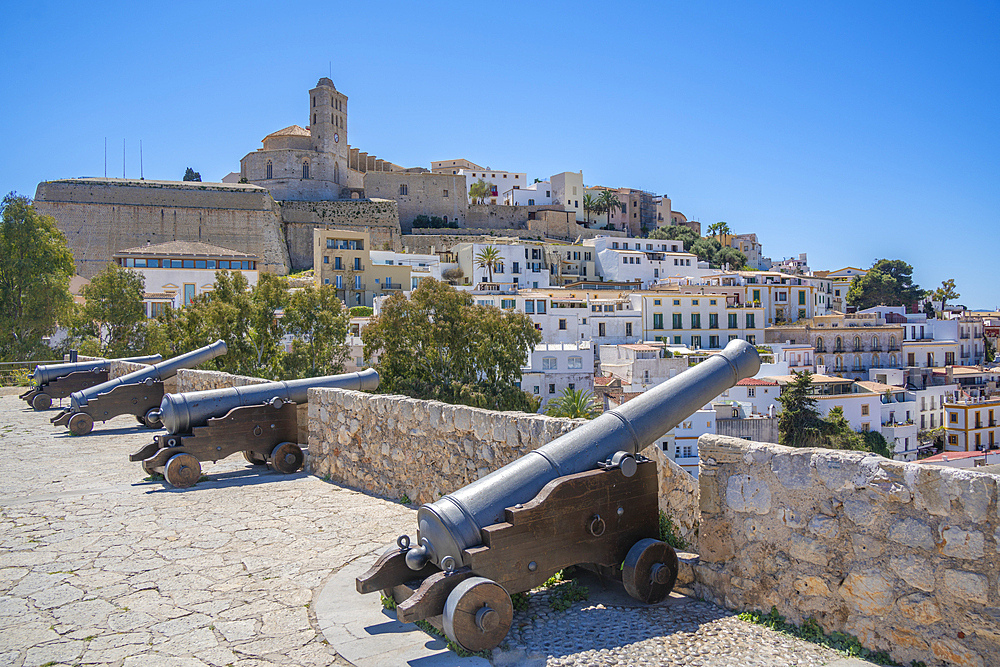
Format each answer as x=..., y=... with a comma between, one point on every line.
x=536, y=194
x=640, y=366
x=178, y=271
x=700, y=321
x=500, y=181
x=421, y=266
x=644, y=261
x=568, y=191
x=519, y=265
x=685, y=439
x=554, y=367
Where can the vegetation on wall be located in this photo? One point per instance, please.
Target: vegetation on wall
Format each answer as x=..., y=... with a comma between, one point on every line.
x=439, y=345
x=191, y=175
x=35, y=268
x=433, y=222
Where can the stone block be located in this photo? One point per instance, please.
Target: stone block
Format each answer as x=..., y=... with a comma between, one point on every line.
x=866, y=546
x=836, y=469
x=811, y=586
x=920, y=608
x=929, y=488
x=746, y=494
x=868, y=592
x=966, y=586
x=824, y=526
x=812, y=551
x=860, y=511
x=912, y=533
x=715, y=542
x=959, y=543
x=953, y=652
x=793, y=469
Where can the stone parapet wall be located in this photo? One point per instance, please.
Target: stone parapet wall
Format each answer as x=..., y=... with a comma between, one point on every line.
x=902, y=555
x=394, y=446
x=120, y=368
x=497, y=216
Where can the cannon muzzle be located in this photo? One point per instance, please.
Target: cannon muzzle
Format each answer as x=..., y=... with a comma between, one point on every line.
x=454, y=522
x=50, y=372
x=179, y=413
x=164, y=370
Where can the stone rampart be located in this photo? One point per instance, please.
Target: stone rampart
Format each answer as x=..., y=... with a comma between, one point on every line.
x=497, y=216
x=428, y=241
x=100, y=217
x=378, y=217
x=904, y=556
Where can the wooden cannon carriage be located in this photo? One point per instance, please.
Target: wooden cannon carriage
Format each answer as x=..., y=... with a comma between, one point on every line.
x=61, y=380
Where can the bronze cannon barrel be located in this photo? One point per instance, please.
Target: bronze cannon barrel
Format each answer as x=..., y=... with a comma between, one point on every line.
x=50, y=372
x=164, y=370
x=454, y=522
x=179, y=413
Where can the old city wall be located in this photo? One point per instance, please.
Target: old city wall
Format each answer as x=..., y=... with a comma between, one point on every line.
x=442, y=195
x=903, y=556
x=428, y=241
x=563, y=225
x=100, y=217
x=378, y=217
x=497, y=216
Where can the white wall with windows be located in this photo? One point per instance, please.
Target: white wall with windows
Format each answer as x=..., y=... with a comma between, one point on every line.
x=535, y=194
x=519, y=265
x=554, y=367
x=699, y=321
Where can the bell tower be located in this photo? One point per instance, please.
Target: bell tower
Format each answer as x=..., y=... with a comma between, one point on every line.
x=328, y=119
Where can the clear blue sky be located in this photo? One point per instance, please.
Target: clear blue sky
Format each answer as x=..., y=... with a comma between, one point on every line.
x=850, y=130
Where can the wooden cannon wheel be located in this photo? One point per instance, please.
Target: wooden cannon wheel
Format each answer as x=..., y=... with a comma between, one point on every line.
x=287, y=457
x=254, y=458
x=650, y=570
x=41, y=401
x=477, y=614
x=80, y=424
x=182, y=471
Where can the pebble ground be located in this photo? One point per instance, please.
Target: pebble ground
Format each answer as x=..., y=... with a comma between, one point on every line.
x=98, y=567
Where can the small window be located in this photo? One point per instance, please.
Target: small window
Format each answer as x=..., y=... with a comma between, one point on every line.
x=188, y=264
x=575, y=362
x=223, y=264
x=864, y=409
x=200, y=264
x=445, y=193
x=552, y=389
x=402, y=189
x=550, y=364
x=953, y=417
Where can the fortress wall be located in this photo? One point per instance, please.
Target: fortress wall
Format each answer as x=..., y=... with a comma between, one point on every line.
x=497, y=216
x=425, y=195
x=378, y=217
x=904, y=556
x=101, y=217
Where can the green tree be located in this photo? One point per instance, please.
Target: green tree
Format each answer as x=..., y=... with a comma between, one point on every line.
x=191, y=175
x=479, y=191
x=487, y=259
x=706, y=249
x=675, y=233
x=589, y=204
x=438, y=345
x=989, y=351
x=889, y=282
x=946, y=293
x=361, y=311
x=35, y=268
x=318, y=320
x=114, y=316
x=799, y=424
x=717, y=228
x=608, y=202
x=573, y=403
x=731, y=256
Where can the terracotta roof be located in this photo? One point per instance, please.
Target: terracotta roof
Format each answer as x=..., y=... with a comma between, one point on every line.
x=184, y=248
x=754, y=382
x=952, y=456
x=603, y=382
x=290, y=131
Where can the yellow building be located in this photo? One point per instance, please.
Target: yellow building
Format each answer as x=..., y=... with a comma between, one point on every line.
x=972, y=424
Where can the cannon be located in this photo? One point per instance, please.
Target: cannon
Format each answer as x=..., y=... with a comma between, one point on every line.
x=138, y=393
x=259, y=420
x=61, y=380
x=586, y=498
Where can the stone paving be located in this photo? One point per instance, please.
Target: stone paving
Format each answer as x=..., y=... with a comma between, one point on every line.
x=252, y=569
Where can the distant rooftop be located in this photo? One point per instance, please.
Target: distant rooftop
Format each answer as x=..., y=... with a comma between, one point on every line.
x=185, y=249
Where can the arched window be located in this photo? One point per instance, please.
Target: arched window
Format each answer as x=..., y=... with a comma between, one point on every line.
x=857, y=343
x=840, y=344
x=875, y=345
x=269, y=169
x=840, y=364
x=819, y=361
x=314, y=119
x=314, y=100
x=819, y=345
x=875, y=360
x=892, y=344
x=305, y=169
x=857, y=362
x=332, y=119
x=892, y=360
x=336, y=172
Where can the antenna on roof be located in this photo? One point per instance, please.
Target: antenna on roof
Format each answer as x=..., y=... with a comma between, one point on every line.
x=141, y=177
x=105, y=157
x=123, y=159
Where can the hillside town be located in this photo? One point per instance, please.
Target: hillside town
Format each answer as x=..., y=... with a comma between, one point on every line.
x=625, y=291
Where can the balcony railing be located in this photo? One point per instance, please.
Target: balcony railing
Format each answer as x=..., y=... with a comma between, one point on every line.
x=392, y=286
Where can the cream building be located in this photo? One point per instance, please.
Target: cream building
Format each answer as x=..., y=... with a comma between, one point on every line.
x=178, y=271
x=699, y=321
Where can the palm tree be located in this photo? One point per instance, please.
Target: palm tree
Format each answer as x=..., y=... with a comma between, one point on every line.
x=589, y=204
x=573, y=403
x=479, y=191
x=717, y=228
x=608, y=201
x=487, y=259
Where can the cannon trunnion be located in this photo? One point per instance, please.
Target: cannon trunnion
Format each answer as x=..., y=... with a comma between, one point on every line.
x=587, y=497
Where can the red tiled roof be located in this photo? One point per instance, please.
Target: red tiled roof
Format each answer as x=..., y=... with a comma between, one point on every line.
x=754, y=382
x=952, y=456
x=603, y=382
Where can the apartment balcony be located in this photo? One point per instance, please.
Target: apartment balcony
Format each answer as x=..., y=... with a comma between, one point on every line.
x=964, y=336
x=893, y=348
x=392, y=286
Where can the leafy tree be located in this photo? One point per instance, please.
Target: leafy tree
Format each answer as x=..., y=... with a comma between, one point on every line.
x=799, y=424
x=717, y=228
x=487, y=259
x=675, y=233
x=573, y=403
x=706, y=249
x=946, y=293
x=990, y=351
x=318, y=320
x=608, y=202
x=929, y=309
x=361, y=311
x=479, y=191
x=191, y=175
x=114, y=316
x=35, y=268
x=731, y=256
x=889, y=282
x=438, y=345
